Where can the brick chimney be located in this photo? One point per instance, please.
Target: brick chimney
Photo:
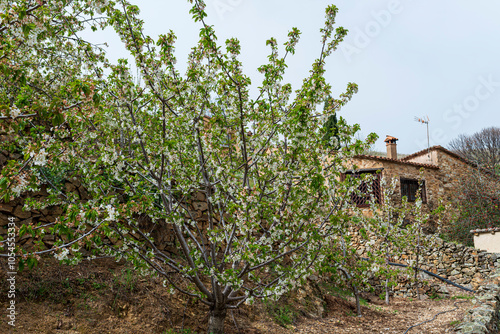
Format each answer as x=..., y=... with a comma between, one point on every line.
x=392, y=152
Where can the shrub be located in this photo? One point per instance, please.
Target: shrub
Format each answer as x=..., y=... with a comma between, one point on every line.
x=479, y=208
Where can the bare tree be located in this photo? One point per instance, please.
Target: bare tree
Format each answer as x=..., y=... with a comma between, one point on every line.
x=482, y=148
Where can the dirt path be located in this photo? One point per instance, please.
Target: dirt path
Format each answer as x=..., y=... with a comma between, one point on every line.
x=395, y=318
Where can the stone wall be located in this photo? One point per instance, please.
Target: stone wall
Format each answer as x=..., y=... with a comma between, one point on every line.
x=45, y=217
x=463, y=265
x=452, y=170
x=484, y=317
x=451, y=174
x=161, y=232
x=14, y=209
x=398, y=169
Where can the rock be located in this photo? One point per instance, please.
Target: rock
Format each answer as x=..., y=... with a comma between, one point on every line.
x=6, y=208
x=83, y=193
x=56, y=211
x=49, y=240
x=3, y=159
x=472, y=328
x=4, y=219
x=467, y=271
x=20, y=213
x=70, y=187
x=3, y=229
x=26, y=221
x=313, y=278
x=202, y=206
x=200, y=197
x=443, y=289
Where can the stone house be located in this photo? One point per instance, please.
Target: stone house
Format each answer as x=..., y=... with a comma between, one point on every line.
x=441, y=170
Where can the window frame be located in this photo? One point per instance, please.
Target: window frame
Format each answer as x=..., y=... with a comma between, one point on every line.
x=377, y=189
x=410, y=182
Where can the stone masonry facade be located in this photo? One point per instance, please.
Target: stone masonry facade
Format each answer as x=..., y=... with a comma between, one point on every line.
x=441, y=170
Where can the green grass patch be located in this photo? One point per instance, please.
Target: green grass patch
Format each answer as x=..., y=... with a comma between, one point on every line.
x=467, y=297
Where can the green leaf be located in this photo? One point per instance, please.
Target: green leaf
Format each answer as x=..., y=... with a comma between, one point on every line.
x=22, y=230
x=31, y=261
x=22, y=13
x=3, y=181
x=58, y=119
x=20, y=264
x=317, y=182
x=97, y=99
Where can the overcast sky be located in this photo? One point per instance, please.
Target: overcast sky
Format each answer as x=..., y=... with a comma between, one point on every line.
x=439, y=59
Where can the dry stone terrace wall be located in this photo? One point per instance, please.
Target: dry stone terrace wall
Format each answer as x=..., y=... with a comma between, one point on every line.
x=463, y=265
x=161, y=232
x=15, y=210
x=484, y=317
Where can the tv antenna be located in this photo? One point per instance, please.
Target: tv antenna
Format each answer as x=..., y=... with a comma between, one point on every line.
x=425, y=120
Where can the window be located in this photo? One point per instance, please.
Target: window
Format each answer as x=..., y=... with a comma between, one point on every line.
x=409, y=188
x=366, y=191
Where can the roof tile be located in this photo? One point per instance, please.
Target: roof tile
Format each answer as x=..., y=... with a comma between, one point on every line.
x=400, y=161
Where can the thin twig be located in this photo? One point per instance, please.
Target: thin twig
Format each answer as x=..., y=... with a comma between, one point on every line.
x=184, y=314
x=234, y=321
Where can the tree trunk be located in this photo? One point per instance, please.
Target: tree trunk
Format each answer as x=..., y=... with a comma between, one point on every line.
x=387, y=291
x=216, y=319
x=355, y=290
x=356, y=295
x=387, y=279
x=417, y=264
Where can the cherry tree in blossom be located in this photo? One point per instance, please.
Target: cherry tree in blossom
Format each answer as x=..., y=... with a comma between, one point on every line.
x=146, y=148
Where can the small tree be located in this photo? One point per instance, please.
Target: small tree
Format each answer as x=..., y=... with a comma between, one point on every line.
x=345, y=266
x=419, y=219
x=386, y=227
x=269, y=189
x=398, y=224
